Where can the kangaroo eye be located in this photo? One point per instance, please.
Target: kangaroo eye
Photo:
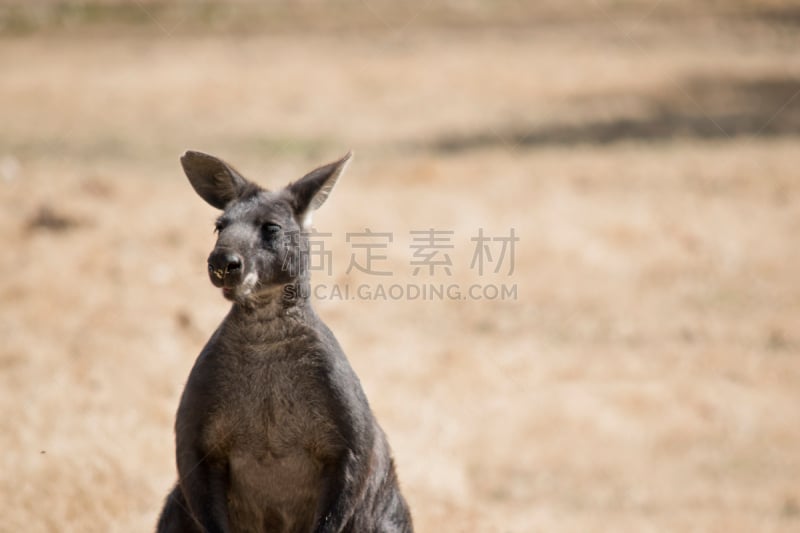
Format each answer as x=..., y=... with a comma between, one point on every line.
x=270, y=230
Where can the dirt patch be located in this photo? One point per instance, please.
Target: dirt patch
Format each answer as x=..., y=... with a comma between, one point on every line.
x=692, y=109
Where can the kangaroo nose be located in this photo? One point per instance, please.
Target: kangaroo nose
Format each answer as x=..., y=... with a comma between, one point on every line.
x=224, y=267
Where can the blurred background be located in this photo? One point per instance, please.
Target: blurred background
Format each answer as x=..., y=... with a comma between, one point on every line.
x=643, y=376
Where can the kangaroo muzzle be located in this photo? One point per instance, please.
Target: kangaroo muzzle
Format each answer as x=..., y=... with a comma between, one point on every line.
x=224, y=268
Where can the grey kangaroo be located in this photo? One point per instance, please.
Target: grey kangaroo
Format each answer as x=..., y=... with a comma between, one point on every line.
x=273, y=432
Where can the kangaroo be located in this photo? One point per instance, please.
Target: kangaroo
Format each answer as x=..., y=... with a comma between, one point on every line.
x=274, y=432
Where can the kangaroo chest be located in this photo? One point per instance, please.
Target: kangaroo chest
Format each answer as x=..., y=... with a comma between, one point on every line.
x=262, y=412
x=265, y=399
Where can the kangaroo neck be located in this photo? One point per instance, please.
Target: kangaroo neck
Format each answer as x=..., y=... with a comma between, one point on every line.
x=283, y=302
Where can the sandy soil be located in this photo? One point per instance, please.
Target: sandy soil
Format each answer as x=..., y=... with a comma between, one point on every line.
x=645, y=378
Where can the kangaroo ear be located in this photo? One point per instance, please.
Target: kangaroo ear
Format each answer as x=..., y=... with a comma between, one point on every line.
x=213, y=179
x=310, y=192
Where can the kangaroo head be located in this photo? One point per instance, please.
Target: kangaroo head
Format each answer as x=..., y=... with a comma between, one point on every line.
x=260, y=241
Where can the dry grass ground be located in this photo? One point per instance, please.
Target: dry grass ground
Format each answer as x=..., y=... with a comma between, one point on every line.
x=646, y=378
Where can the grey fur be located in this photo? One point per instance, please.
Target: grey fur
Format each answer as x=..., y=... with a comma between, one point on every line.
x=274, y=432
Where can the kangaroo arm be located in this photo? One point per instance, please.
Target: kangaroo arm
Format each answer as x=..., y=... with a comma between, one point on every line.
x=204, y=488
x=343, y=492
